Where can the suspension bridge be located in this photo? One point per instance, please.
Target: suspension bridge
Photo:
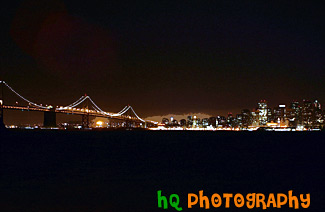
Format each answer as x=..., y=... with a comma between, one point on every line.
x=84, y=106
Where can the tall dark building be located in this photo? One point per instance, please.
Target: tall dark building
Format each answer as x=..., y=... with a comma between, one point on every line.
x=294, y=114
x=246, y=118
x=239, y=121
x=279, y=113
x=182, y=123
x=212, y=121
x=165, y=121
x=307, y=113
x=173, y=122
x=189, y=121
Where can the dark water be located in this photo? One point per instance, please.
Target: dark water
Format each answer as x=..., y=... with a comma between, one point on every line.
x=122, y=171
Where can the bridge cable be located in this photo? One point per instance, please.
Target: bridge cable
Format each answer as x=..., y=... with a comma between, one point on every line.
x=100, y=110
x=76, y=102
x=122, y=111
x=32, y=103
x=126, y=108
x=137, y=115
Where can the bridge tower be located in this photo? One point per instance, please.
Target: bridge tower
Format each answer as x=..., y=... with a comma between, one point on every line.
x=50, y=118
x=2, y=125
x=85, y=116
x=1, y=114
x=128, y=122
x=85, y=120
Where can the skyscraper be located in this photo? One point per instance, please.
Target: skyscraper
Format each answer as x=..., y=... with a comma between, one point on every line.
x=246, y=118
x=189, y=121
x=262, y=112
x=317, y=114
x=293, y=114
x=307, y=113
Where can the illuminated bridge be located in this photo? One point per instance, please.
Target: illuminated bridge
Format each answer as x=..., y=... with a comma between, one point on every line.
x=84, y=106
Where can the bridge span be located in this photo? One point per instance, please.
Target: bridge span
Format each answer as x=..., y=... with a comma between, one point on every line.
x=84, y=106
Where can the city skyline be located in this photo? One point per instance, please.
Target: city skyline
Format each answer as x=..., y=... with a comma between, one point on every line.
x=303, y=114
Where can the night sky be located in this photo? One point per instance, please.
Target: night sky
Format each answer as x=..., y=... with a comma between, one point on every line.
x=208, y=57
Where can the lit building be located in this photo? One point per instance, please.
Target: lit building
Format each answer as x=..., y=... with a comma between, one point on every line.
x=195, y=122
x=222, y=121
x=317, y=105
x=317, y=115
x=269, y=115
x=205, y=122
x=255, y=118
x=165, y=121
x=230, y=120
x=262, y=113
x=239, y=121
x=293, y=114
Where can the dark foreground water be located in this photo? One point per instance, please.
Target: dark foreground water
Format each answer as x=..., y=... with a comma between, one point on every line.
x=122, y=171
